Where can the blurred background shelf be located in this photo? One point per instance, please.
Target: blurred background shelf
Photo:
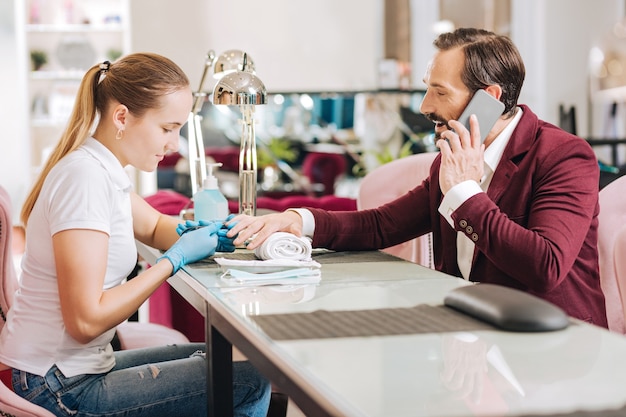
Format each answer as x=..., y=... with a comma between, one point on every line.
x=63, y=39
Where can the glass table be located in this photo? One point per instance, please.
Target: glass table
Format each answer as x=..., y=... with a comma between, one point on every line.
x=328, y=347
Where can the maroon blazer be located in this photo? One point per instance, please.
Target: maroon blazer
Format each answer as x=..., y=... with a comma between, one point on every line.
x=535, y=229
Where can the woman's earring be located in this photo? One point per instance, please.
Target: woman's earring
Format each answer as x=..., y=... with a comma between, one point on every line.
x=119, y=134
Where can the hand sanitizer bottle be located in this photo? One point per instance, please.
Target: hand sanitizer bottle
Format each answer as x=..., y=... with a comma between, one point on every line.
x=209, y=203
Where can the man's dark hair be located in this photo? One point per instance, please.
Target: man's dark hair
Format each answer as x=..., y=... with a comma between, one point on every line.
x=489, y=59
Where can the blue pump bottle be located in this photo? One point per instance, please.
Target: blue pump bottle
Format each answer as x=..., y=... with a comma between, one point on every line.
x=209, y=203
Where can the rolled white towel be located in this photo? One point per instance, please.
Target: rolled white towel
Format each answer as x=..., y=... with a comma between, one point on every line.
x=283, y=245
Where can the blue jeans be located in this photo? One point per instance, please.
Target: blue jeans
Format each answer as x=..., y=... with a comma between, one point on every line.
x=159, y=381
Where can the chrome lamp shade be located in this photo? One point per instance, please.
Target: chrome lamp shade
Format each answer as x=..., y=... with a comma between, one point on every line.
x=230, y=61
x=239, y=88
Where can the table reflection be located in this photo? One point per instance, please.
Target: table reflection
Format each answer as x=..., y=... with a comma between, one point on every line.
x=248, y=300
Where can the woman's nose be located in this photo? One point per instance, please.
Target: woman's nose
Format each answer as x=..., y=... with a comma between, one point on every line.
x=173, y=146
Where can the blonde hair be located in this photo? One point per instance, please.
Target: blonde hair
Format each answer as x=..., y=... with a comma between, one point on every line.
x=137, y=80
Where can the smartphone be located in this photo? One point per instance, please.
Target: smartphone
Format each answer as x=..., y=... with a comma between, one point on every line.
x=487, y=110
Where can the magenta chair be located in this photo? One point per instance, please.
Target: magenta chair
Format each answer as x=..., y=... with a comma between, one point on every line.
x=324, y=168
x=326, y=202
x=227, y=155
x=612, y=251
x=388, y=182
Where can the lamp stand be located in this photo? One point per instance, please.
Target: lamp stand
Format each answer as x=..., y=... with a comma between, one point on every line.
x=247, y=162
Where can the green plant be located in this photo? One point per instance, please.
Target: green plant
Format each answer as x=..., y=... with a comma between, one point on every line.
x=276, y=148
x=113, y=54
x=387, y=156
x=38, y=58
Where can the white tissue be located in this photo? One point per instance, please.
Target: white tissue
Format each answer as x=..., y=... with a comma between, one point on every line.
x=291, y=276
x=267, y=266
x=283, y=245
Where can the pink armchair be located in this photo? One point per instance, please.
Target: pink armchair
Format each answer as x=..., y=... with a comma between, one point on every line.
x=11, y=404
x=390, y=181
x=612, y=251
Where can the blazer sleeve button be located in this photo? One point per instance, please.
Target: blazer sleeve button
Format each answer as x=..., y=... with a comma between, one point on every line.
x=463, y=223
x=475, y=237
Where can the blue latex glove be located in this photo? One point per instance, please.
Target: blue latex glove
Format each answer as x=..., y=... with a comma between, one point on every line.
x=193, y=246
x=190, y=225
x=224, y=243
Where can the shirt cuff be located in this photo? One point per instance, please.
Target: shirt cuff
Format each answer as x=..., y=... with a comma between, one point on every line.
x=308, y=221
x=456, y=196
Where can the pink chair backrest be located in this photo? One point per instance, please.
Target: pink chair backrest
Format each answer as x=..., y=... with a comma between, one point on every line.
x=612, y=251
x=390, y=181
x=10, y=402
x=619, y=261
x=8, y=280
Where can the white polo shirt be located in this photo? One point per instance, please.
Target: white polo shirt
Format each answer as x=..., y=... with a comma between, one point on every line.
x=88, y=189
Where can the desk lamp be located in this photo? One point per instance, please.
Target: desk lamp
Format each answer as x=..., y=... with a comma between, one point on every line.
x=237, y=85
x=244, y=89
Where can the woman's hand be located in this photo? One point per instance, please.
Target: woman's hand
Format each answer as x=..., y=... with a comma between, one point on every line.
x=224, y=243
x=193, y=246
x=253, y=231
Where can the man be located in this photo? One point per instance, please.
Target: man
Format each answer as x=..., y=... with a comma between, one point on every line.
x=519, y=210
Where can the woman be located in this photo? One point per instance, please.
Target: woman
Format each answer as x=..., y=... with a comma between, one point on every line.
x=81, y=221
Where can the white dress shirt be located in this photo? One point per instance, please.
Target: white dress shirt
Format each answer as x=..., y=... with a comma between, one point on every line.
x=461, y=192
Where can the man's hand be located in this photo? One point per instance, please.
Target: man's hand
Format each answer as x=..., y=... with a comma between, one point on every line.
x=243, y=228
x=462, y=155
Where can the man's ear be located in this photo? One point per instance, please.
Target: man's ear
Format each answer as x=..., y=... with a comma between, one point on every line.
x=120, y=116
x=495, y=90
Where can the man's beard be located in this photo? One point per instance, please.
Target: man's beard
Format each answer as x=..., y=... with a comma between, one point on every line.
x=435, y=118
